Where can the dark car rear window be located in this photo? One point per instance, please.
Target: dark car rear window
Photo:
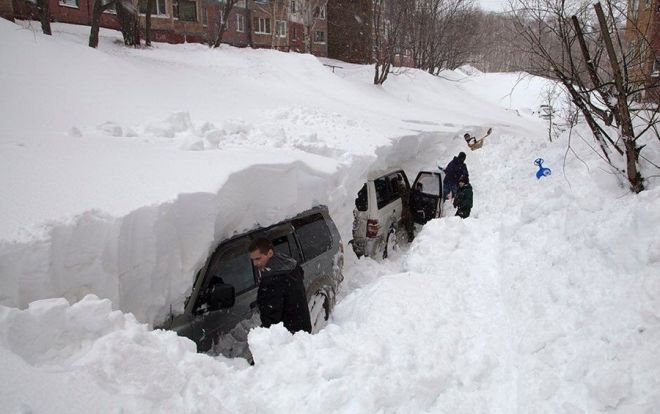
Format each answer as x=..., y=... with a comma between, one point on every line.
x=313, y=235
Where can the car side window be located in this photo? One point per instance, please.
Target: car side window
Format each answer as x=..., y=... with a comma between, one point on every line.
x=361, y=202
x=281, y=245
x=382, y=196
x=313, y=235
x=234, y=267
x=430, y=184
x=394, y=187
x=397, y=181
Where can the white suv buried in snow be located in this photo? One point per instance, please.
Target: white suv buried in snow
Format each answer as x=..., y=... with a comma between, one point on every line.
x=379, y=206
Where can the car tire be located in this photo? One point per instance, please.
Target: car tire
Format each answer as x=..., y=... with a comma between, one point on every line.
x=319, y=311
x=390, y=243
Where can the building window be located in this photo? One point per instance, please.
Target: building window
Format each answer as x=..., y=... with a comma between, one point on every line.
x=185, y=10
x=240, y=23
x=69, y=3
x=319, y=12
x=655, y=70
x=319, y=36
x=157, y=9
x=280, y=28
x=261, y=25
x=111, y=10
x=205, y=16
x=293, y=6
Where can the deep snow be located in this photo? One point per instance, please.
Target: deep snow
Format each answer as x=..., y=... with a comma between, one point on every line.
x=124, y=169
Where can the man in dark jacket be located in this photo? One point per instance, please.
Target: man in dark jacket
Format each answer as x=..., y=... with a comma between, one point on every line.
x=453, y=171
x=463, y=199
x=281, y=295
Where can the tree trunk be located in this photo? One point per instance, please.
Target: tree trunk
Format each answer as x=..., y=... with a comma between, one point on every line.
x=381, y=71
x=44, y=16
x=96, y=20
x=634, y=177
x=248, y=24
x=595, y=80
x=221, y=33
x=224, y=18
x=128, y=23
x=147, y=23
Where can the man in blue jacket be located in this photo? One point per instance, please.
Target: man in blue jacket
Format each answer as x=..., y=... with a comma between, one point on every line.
x=453, y=171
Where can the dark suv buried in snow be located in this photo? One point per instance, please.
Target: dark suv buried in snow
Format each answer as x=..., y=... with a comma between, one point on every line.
x=222, y=306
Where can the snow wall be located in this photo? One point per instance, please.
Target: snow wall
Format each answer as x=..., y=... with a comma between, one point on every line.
x=145, y=261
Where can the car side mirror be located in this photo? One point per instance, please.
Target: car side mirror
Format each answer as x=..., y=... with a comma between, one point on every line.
x=223, y=296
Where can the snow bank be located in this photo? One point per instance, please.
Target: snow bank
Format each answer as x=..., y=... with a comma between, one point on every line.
x=125, y=188
x=547, y=299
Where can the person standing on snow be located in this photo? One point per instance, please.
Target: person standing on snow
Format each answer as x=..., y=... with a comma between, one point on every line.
x=281, y=294
x=463, y=199
x=453, y=171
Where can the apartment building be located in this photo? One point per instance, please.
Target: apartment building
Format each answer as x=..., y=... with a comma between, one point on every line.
x=287, y=25
x=642, y=37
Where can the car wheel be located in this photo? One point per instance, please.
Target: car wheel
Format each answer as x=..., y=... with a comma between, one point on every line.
x=390, y=243
x=318, y=311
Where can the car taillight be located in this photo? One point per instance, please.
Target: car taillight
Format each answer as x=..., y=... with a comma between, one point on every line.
x=372, y=228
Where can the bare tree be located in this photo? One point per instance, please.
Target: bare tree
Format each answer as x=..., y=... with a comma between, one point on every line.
x=226, y=8
x=129, y=22
x=278, y=11
x=311, y=11
x=99, y=7
x=127, y=15
x=44, y=16
x=582, y=48
x=147, y=22
x=445, y=34
x=390, y=21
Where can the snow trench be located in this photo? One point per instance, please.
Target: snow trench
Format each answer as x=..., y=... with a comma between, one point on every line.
x=144, y=262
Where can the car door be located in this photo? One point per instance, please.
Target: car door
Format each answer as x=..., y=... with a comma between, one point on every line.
x=390, y=205
x=426, y=197
x=231, y=265
x=314, y=239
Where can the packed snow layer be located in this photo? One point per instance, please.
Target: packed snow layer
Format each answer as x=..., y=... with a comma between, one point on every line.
x=546, y=300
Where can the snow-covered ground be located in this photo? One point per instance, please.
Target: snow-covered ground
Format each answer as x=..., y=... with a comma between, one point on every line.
x=122, y=168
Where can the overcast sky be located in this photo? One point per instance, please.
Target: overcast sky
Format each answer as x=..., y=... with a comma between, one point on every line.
x=493, y=5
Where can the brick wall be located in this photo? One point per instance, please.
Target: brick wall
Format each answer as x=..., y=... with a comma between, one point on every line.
x=647, y=18
x=7, y=10
x=349, y=30
x=167, y=28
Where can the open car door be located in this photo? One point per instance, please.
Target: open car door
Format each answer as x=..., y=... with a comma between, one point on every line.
x=426, y=196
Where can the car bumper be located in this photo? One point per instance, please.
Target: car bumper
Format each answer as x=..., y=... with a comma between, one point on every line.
x=366, y=246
